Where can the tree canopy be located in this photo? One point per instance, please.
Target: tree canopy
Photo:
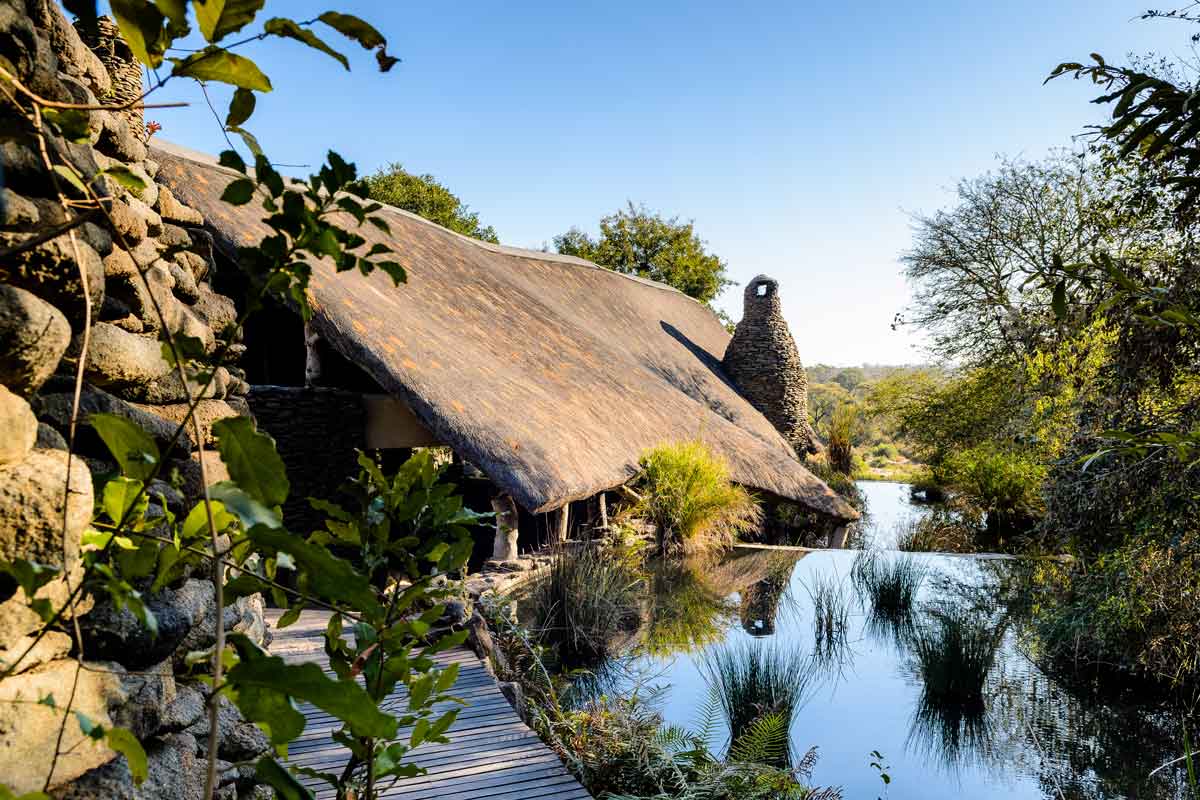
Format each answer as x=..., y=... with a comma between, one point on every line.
x=425, y=196
x=637, y=241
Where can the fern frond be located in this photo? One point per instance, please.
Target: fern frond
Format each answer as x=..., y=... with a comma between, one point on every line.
x=765, y=741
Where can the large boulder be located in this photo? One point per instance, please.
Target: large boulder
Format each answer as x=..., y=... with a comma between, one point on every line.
x=207, y=412
x=18, y=621
x=52, y=270
x=175, y=211
x=170, y=388
x=151, y=691
x=55, y=408
x=175, y=770
x=18, y=427
x=74, y=57
x=238, y=740
x=121, y=359
x=117, y=633
x=216, y=309
x=29, y=730
x=32, y=508
x=33, y=337
x=26, y=652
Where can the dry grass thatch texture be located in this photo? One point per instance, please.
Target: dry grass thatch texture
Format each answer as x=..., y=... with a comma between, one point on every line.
x=550, y=374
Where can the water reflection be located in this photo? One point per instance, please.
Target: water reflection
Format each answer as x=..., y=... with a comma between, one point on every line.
x=936, y=667
x=952, y=654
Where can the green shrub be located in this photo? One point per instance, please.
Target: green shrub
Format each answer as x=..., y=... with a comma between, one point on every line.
x=688, y=495
x=1133, y=608
x=753, y=681
x=584, y=604
x=1000, y=482
x=886, y=451
x=843, y=426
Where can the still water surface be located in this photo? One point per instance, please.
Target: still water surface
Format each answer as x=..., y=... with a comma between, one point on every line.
x=1030, y=738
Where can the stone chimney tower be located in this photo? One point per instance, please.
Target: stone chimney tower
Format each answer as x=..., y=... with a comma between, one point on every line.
x=108, y=44
x=763, y=362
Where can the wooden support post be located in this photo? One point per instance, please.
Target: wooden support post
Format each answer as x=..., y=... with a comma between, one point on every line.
x=504, y=547
x=312, y=359
x=603, y=511
x=837, y=539
x=564, y=522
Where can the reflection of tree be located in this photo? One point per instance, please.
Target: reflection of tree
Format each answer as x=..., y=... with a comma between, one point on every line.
x=683, y=612
x=1022, y=716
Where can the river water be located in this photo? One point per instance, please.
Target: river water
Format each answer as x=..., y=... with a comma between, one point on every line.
x=876, y=687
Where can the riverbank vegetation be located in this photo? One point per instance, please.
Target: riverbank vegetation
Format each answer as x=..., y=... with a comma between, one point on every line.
x=1065, y=291
x=689, y=497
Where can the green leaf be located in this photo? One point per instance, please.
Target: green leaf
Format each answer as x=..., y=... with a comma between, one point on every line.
x=260, y=682
x=394, y=271
x=218, y=18
x=7, y=794
x=68, y=174
x=98, y=540
x=286, y=787
x=125, y=743
x=88, y=726
x=133, y=448
x=214, y=64
x=176, y=13
x=239, y=192
x=71, y=123
x=252, y=460
x=29, y=575
x=1059, y=301
x=195, y=524
x=230, y=158
x=141, y=25
x=354, y=28
x=118, y=499
x=249, y=511
x=247, y=137
x=286, y=28
x=124, y=176
x=240, y=108
x=328, y=576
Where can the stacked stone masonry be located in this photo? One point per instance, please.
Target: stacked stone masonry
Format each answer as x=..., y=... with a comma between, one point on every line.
x=150, y=267
x=762, y=360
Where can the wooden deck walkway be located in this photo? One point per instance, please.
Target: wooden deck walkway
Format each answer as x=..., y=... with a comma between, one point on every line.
x=491, y=755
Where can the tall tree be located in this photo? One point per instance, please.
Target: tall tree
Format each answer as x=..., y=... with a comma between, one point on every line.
x=979, y=269
x=426, y=196
x=639, y=242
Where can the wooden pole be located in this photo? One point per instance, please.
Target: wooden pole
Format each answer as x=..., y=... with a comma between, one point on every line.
x=564, y=522
x=603, y=512
x=504, y=547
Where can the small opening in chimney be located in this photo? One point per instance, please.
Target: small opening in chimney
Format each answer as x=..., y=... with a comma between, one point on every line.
x=764, y=289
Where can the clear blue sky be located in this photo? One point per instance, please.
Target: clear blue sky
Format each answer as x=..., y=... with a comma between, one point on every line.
x=796, y=135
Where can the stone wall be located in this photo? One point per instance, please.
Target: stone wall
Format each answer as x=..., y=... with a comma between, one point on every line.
x=154, y=252
x=316, y=432
x=763, y=362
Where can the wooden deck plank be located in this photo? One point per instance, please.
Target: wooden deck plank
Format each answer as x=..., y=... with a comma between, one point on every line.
x=491, y=754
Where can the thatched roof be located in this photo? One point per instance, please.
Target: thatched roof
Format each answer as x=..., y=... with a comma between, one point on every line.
x=550, y=374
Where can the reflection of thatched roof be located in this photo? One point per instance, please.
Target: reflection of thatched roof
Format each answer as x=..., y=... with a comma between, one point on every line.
x=746, y=566
x=550, y=374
